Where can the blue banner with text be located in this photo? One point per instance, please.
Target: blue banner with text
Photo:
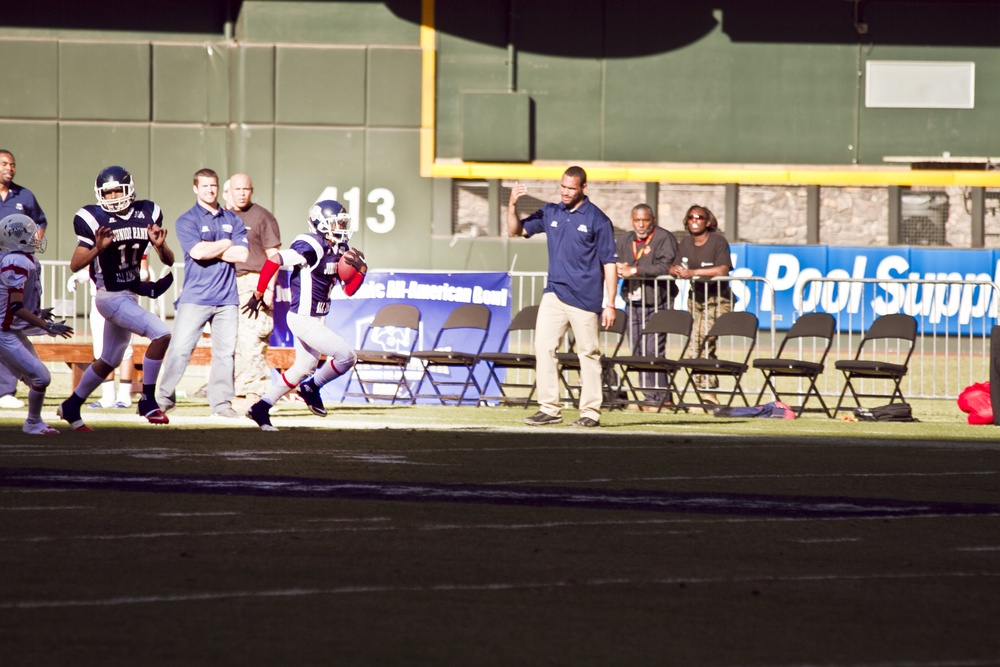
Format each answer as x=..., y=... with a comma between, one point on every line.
x=434, y=294
x=939, y=308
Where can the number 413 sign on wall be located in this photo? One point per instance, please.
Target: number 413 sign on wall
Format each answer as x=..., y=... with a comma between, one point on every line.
x=384, y=219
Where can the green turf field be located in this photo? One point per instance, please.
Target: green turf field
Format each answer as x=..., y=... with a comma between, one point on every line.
x=458, y=536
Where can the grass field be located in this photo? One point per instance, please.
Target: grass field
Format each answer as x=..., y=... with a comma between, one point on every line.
x=458, y=536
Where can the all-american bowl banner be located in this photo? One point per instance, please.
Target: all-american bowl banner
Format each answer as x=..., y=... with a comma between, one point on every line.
x=939, y=308
x=434, y=294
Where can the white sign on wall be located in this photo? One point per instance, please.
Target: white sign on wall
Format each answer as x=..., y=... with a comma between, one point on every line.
x=910, y=84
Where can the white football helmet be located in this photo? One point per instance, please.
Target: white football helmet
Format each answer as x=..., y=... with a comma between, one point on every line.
x=330, y=218
x=18, y=232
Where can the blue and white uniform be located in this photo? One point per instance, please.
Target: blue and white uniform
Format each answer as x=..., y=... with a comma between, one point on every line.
x=313, y=261
x=314, y=273
x=115, y=272
x=117, y=267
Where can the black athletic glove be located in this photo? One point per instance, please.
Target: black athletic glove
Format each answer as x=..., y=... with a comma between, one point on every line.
x=45, y=314
x=355, y=258
x=253, y=306
x=59, y=329
x=154, y=289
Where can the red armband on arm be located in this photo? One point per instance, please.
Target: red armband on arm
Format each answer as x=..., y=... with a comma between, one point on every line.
x=266, y=273
x=354, y=284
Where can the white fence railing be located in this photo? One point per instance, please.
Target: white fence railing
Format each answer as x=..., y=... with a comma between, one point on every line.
x=954, y=318
x=954, y=321
x=75, y=306
x=951, y=353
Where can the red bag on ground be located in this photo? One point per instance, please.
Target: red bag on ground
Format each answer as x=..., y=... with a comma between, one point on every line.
x=975, y=400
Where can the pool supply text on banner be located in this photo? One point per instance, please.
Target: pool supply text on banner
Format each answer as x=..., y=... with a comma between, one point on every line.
x=938, y=308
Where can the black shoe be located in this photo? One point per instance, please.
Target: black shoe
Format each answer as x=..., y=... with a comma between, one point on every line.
x=587, y=421
x=70, y=411
x=310, y=394
x=149, y=409
x=260, y=412
x=540, y=419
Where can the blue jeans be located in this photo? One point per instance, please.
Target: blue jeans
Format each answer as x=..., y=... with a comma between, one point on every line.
x=189, y=321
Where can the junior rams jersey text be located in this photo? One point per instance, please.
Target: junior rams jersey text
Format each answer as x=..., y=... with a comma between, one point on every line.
x=117, y=268
x=314, y=273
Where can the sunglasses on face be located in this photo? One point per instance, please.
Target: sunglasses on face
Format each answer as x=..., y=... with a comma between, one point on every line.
x=695, y=216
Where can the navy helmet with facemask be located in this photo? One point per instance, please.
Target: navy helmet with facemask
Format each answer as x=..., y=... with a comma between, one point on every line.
x=330, y=219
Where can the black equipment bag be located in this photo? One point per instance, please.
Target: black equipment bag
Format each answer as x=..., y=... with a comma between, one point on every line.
x=894, y=412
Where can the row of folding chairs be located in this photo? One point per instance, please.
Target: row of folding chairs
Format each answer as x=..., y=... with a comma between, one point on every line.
x=883, y=353
x=388, y=351
x=449, y=365
x=387, y=355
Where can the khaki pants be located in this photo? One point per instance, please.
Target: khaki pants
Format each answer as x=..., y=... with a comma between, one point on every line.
x=252, y=373
x=705, y=313
x=554, y=318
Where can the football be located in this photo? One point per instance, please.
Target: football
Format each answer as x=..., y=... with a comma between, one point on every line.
x=345, y=271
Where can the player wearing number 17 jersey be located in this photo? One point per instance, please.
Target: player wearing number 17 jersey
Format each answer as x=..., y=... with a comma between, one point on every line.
x=112, y=236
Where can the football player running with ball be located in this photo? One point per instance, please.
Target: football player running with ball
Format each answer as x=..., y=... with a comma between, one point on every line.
x=20, y=298
x=317, y=260
x=112, y=237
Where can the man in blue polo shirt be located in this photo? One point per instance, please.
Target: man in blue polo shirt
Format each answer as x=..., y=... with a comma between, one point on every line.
x=213, y=240
x=582, y=277
x=15, y=199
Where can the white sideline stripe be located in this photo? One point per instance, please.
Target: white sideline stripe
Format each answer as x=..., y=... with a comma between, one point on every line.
x=498, y=586
x=687, y=478
x=831, y=540
x=180, y=533
x=46, y=509
x=413, y=422
x=547, y=525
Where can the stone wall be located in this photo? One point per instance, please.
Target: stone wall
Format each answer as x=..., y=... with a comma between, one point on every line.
x=849, y=216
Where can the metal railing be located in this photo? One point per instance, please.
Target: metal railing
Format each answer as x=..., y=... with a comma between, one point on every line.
x=75, y=306
x=527, y=289
x=954, y=321
x=954, y=317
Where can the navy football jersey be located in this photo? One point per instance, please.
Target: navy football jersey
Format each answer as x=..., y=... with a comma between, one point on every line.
x=116, y=268
x=314, y=275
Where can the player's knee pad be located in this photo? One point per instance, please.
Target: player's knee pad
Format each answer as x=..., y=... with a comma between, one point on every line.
x=298, y=372
x=345, y=362
x=40, y=379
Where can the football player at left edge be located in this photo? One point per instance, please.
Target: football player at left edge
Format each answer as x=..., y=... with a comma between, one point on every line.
x=20, y=315
x=112, y=237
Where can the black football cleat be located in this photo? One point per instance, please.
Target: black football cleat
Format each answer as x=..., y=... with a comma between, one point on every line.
x=260, y=412
x=149, y=409
x=310, y=394
x=70, y=411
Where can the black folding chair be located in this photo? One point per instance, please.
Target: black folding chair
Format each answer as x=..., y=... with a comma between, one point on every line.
x=735, y=335
x=384, y=355
x=456, y=350
x=883, y=354
x=515, y=353
x=801, y=356
x=655, y=373
x=610, y=344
